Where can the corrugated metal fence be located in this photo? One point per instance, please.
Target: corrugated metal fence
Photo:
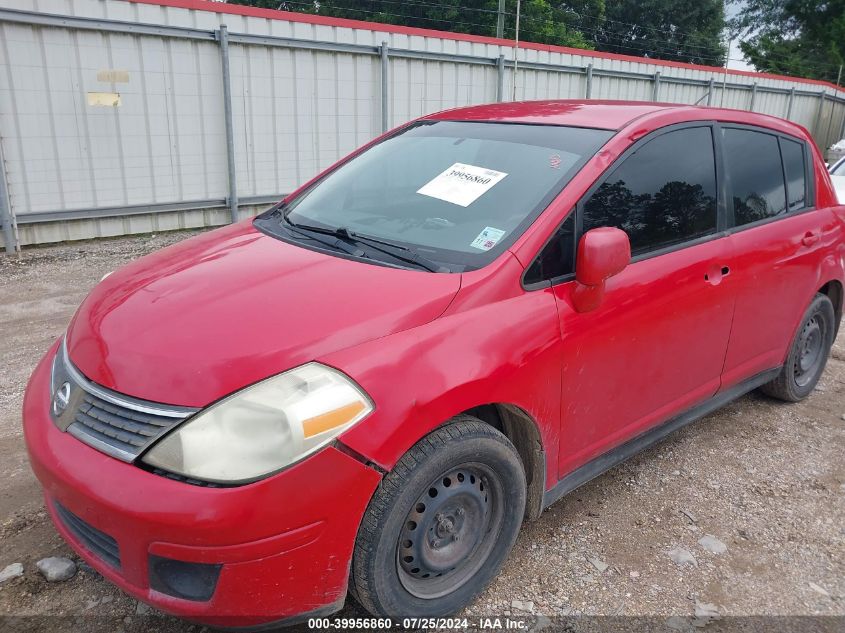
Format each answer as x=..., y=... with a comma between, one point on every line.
x=122, y=117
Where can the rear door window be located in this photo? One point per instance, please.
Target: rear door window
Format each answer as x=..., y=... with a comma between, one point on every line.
x=753, y=164
x=794, y=167
x=662, y=194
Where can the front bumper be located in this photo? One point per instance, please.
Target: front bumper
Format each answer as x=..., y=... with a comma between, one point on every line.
x=283, y=544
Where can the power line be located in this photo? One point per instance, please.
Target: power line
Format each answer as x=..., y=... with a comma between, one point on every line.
x=678, y=48
x=396, y=15
x=616, y=39
x=654, y=48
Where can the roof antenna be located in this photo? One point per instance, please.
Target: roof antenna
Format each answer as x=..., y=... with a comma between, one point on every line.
x=516, y=49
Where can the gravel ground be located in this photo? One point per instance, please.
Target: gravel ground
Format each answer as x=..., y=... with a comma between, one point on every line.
x=766, y=479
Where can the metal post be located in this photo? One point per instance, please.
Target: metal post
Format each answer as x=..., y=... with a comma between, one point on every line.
x=7, y=216
x=838, y=79
x=818, y=121
x=589, y=90
x=500, y=20
x=753, y=96
x=655, y=89
x=710, y=92
x=500, y=78
x=222, y=36
x=829, y=124
x=385, y=71
x=725, y=74
x=789, y=102
x=833, y=108
x=516, y=48
x=842, y=132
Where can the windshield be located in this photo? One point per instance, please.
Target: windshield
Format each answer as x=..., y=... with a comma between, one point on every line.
x=457, y=193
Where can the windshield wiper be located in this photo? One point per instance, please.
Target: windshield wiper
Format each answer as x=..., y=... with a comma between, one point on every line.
x=398, y=251
x=342, y=245
x=405, y=253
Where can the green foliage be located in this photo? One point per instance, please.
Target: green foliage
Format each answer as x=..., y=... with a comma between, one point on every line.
x=793, y=37
x=680, y=30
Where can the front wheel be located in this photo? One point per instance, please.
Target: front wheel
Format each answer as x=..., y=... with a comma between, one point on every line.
x=807, y=354
x=441, y=523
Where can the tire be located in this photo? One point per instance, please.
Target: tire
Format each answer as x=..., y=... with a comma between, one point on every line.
x=808, y=353
x=440, y=524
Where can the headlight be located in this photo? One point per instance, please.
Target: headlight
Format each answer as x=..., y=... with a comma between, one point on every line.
x=263, y=428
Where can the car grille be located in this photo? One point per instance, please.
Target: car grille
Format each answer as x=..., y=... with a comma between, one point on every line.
x=118, y=425
x=98, y=543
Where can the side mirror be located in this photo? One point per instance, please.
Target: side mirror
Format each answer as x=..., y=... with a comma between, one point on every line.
x=602, y=253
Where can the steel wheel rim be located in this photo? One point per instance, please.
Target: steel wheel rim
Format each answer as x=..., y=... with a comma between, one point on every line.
x=810, y=351
x=450, y=530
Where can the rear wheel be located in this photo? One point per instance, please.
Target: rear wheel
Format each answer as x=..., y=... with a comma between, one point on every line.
x=441, y=523
x=807, y=354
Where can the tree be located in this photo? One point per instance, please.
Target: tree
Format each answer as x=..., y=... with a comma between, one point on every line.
x=540, y=20
x=678, y=30
x=801, y=38
x=681, y=30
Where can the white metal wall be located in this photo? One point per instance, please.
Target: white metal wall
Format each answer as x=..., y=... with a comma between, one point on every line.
x=76, y=168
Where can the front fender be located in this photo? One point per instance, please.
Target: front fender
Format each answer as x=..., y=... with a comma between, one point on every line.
x=501, y=352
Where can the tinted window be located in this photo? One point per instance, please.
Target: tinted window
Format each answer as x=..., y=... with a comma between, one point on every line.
x=663, y=194
x=556, y=259
x=456, y=192
x=752, y=160
x=793, y=165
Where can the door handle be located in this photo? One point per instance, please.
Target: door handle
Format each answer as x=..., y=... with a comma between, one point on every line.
x=715, y=274
x=810, y=238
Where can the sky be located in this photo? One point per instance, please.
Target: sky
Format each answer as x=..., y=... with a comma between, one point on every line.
x=735, y=60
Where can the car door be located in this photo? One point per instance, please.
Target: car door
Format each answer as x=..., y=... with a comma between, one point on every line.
x=779, y=243
x=656, y=344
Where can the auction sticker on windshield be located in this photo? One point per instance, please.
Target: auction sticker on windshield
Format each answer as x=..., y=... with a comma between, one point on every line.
x=461, y=184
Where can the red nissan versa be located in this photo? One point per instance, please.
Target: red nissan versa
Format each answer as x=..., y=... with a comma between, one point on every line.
x=369, y=386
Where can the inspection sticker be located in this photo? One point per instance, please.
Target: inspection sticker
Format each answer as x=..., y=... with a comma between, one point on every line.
x=461, y=184
x=487, y=239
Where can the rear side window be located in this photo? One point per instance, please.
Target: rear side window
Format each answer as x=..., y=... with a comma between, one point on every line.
x=662, y=194
x=753, y=164
x=793, y=166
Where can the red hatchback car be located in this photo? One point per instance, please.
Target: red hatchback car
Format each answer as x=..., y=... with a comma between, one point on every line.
x=367, y=388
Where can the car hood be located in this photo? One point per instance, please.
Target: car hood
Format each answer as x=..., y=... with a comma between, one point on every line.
x=196, y=321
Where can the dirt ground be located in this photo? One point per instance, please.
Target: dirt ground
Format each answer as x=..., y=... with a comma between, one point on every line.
x=765, y=478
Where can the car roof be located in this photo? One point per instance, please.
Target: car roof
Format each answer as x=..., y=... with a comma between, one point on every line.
x=608, y=115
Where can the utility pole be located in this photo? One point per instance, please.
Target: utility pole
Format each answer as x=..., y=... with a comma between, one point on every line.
x=516, y=48
x=725, y=76
x=500, y=20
